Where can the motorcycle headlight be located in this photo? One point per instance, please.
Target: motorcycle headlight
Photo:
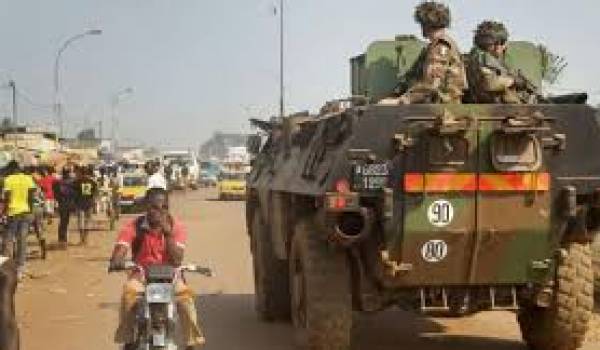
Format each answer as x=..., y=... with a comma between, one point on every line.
x=159, y=293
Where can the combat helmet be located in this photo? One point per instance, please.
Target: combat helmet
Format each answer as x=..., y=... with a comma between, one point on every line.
x=490, y=33
x=432, y=14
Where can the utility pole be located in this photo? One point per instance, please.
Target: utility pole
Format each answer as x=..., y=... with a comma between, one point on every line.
x=114, y=125
x=13, y=86
x=58, y=106
x=281, y=61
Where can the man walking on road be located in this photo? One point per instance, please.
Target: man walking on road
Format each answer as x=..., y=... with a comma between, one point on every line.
x=86, y=190
x=64, y=193
x=155, y=238
x=47, y=184
x=19, y=190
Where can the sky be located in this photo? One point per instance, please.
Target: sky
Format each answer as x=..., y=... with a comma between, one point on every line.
x=197, y=66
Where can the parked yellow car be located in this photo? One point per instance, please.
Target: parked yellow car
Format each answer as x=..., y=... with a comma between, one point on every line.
x=132, y=192
x=232, y=186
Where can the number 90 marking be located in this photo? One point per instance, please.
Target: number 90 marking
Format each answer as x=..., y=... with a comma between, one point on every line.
x=440, y=213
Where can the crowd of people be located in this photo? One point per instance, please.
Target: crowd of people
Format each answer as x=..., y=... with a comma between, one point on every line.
x=34, y=195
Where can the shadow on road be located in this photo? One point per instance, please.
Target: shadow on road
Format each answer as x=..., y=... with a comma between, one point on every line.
x=230, y=323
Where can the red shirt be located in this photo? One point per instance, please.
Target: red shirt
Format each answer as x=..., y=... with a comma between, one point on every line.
x=152, y=249
x=46, y=184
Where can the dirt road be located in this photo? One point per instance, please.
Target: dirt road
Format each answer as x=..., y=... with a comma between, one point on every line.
x=70, y=302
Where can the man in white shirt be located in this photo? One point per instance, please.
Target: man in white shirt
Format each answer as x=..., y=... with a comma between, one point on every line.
x=156, y=178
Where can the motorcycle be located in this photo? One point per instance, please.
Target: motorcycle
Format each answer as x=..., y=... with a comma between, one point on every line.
x=156, y=311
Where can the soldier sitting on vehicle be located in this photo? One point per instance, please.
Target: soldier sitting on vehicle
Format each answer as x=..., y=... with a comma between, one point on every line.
x=439, y=74
x=490, y=80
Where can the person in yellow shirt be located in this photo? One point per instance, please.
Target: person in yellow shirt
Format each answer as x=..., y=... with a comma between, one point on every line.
x=19, y=190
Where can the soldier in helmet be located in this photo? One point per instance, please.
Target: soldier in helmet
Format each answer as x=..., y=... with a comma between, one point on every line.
x=439, y=74
x=490, y=81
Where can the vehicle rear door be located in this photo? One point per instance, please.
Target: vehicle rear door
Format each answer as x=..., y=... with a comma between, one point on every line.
x=439, y=203
x=512, y=242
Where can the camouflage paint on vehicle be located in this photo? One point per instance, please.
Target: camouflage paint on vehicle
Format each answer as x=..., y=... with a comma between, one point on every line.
x=377, y=72
x=516, y=231
x=483, y=246
x=439, y=208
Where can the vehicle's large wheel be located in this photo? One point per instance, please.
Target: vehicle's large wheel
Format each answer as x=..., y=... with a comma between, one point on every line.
x=272, y=293
x=321, y=291
x=563, y=325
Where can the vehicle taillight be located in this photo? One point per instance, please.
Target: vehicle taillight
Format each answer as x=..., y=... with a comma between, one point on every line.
x=342, y=186
x=340, y=203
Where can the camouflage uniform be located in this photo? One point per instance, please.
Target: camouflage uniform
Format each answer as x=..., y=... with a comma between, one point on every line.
x=490, y=81
x=440, y=74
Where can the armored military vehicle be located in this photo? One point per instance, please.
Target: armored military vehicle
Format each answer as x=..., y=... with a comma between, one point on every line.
x=444, y=209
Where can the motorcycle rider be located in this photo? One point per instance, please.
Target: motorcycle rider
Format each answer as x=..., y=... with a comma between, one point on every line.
x=155, y=237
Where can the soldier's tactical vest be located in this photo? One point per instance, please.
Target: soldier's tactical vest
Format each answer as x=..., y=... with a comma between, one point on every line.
x=478, y=59
x=442, y=74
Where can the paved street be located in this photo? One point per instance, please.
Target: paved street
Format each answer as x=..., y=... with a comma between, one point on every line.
x=70, y=302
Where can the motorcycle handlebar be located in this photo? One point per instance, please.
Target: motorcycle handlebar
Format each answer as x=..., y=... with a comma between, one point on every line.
x=205, y=271
x=127, y=266
x=130, y=265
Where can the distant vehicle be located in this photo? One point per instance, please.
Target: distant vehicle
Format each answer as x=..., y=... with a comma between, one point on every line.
x=132, y=167
x=186, y=170
x=232, y=185
x=209, y=173
x=132, y=193
x=235, y=167
x=238, y=154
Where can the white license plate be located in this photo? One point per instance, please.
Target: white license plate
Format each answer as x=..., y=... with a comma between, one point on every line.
x=377, y=169
x=371, y=176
